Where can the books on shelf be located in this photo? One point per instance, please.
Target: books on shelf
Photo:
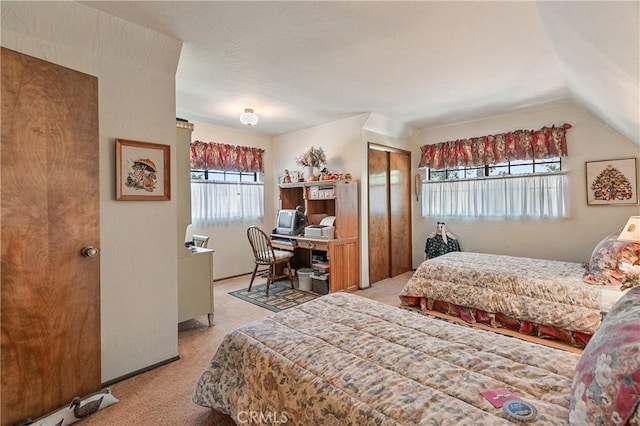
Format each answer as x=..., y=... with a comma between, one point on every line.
x=322, y=266
x=320, y=270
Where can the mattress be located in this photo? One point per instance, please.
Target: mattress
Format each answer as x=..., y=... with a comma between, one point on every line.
x=540, y=291
x=342, y=359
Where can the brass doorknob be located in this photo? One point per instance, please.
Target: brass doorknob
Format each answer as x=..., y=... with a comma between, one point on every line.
x=90, y=251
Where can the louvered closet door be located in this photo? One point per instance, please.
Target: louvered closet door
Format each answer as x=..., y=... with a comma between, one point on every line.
x=50, y=211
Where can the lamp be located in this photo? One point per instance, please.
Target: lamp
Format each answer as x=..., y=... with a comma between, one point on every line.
x=248, y=117
x=631, y=231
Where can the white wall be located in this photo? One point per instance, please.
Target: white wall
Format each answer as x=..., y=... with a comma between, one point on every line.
x=136, y=83
x=340, y=140
x=232, y=251
x=571, y=239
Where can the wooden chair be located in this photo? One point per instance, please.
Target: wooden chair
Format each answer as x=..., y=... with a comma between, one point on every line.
x=265, y=255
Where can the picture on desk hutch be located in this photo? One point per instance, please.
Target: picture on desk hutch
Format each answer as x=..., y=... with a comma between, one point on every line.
x=142, y=171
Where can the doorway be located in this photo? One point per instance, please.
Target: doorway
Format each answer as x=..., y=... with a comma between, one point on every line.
x=390, y=247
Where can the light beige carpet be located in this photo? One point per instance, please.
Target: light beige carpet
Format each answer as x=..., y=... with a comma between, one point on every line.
x=163, y=396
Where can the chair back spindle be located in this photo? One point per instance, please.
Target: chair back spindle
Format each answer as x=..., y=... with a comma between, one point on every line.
x=261, y=245
x=265, y=255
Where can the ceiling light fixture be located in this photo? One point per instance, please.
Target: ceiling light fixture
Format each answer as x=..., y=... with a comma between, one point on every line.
x=248, y=117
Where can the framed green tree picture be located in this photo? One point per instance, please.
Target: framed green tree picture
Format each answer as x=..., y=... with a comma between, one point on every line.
x=612, y=182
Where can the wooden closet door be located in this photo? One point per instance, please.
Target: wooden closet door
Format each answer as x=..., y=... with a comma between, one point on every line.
x=400, y=208
x=50, y=211
x=389, y=212
x=379, y=244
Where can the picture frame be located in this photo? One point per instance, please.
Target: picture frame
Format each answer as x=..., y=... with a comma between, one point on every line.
x=143, y=171
x=612, y=182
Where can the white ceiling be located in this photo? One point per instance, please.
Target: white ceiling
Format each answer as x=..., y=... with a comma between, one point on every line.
x=300, y=64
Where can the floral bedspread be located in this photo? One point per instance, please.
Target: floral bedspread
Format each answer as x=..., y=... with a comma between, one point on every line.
x=343, y=359
x=536, y=290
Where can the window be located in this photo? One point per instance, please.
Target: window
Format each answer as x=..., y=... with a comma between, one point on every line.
x=224, y=176
x=541, y=195
x=226, y=183
x=222, y=196
x=519, y=188
x=512, y=174
x=515, y=167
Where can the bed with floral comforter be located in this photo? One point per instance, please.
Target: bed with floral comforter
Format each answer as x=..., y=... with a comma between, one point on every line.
x=343, y=359
x=539, y=297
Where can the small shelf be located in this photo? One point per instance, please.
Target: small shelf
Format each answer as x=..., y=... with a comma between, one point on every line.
x=324, y=266
x=323, y=277
x=292, y=185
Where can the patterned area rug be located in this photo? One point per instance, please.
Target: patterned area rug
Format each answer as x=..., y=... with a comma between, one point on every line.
x=281, y=296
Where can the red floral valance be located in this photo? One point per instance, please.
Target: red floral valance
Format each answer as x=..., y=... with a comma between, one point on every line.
x=218, y=156
x=517, y=145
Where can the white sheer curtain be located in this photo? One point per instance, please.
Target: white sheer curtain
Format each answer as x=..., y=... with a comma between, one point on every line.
x=518, y=196
x=224, y=202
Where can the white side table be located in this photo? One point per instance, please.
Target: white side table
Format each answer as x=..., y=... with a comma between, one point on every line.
x=195, y=284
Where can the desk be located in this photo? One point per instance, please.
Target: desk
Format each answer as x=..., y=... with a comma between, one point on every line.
x=299, y=241
x=280, y=243
x=342, y=256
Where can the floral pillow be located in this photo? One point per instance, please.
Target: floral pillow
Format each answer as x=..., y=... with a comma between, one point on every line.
x=614, y=262
x=606, y=386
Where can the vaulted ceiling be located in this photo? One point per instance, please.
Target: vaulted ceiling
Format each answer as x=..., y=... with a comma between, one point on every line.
x=300, y=64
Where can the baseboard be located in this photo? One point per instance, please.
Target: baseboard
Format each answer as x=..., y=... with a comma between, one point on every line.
x=142, y=370
x=232, y=276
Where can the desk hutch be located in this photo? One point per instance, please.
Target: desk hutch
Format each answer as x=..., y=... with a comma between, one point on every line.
x=337, y=198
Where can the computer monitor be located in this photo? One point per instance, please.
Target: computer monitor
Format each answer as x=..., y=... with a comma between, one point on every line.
x=290, y=222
